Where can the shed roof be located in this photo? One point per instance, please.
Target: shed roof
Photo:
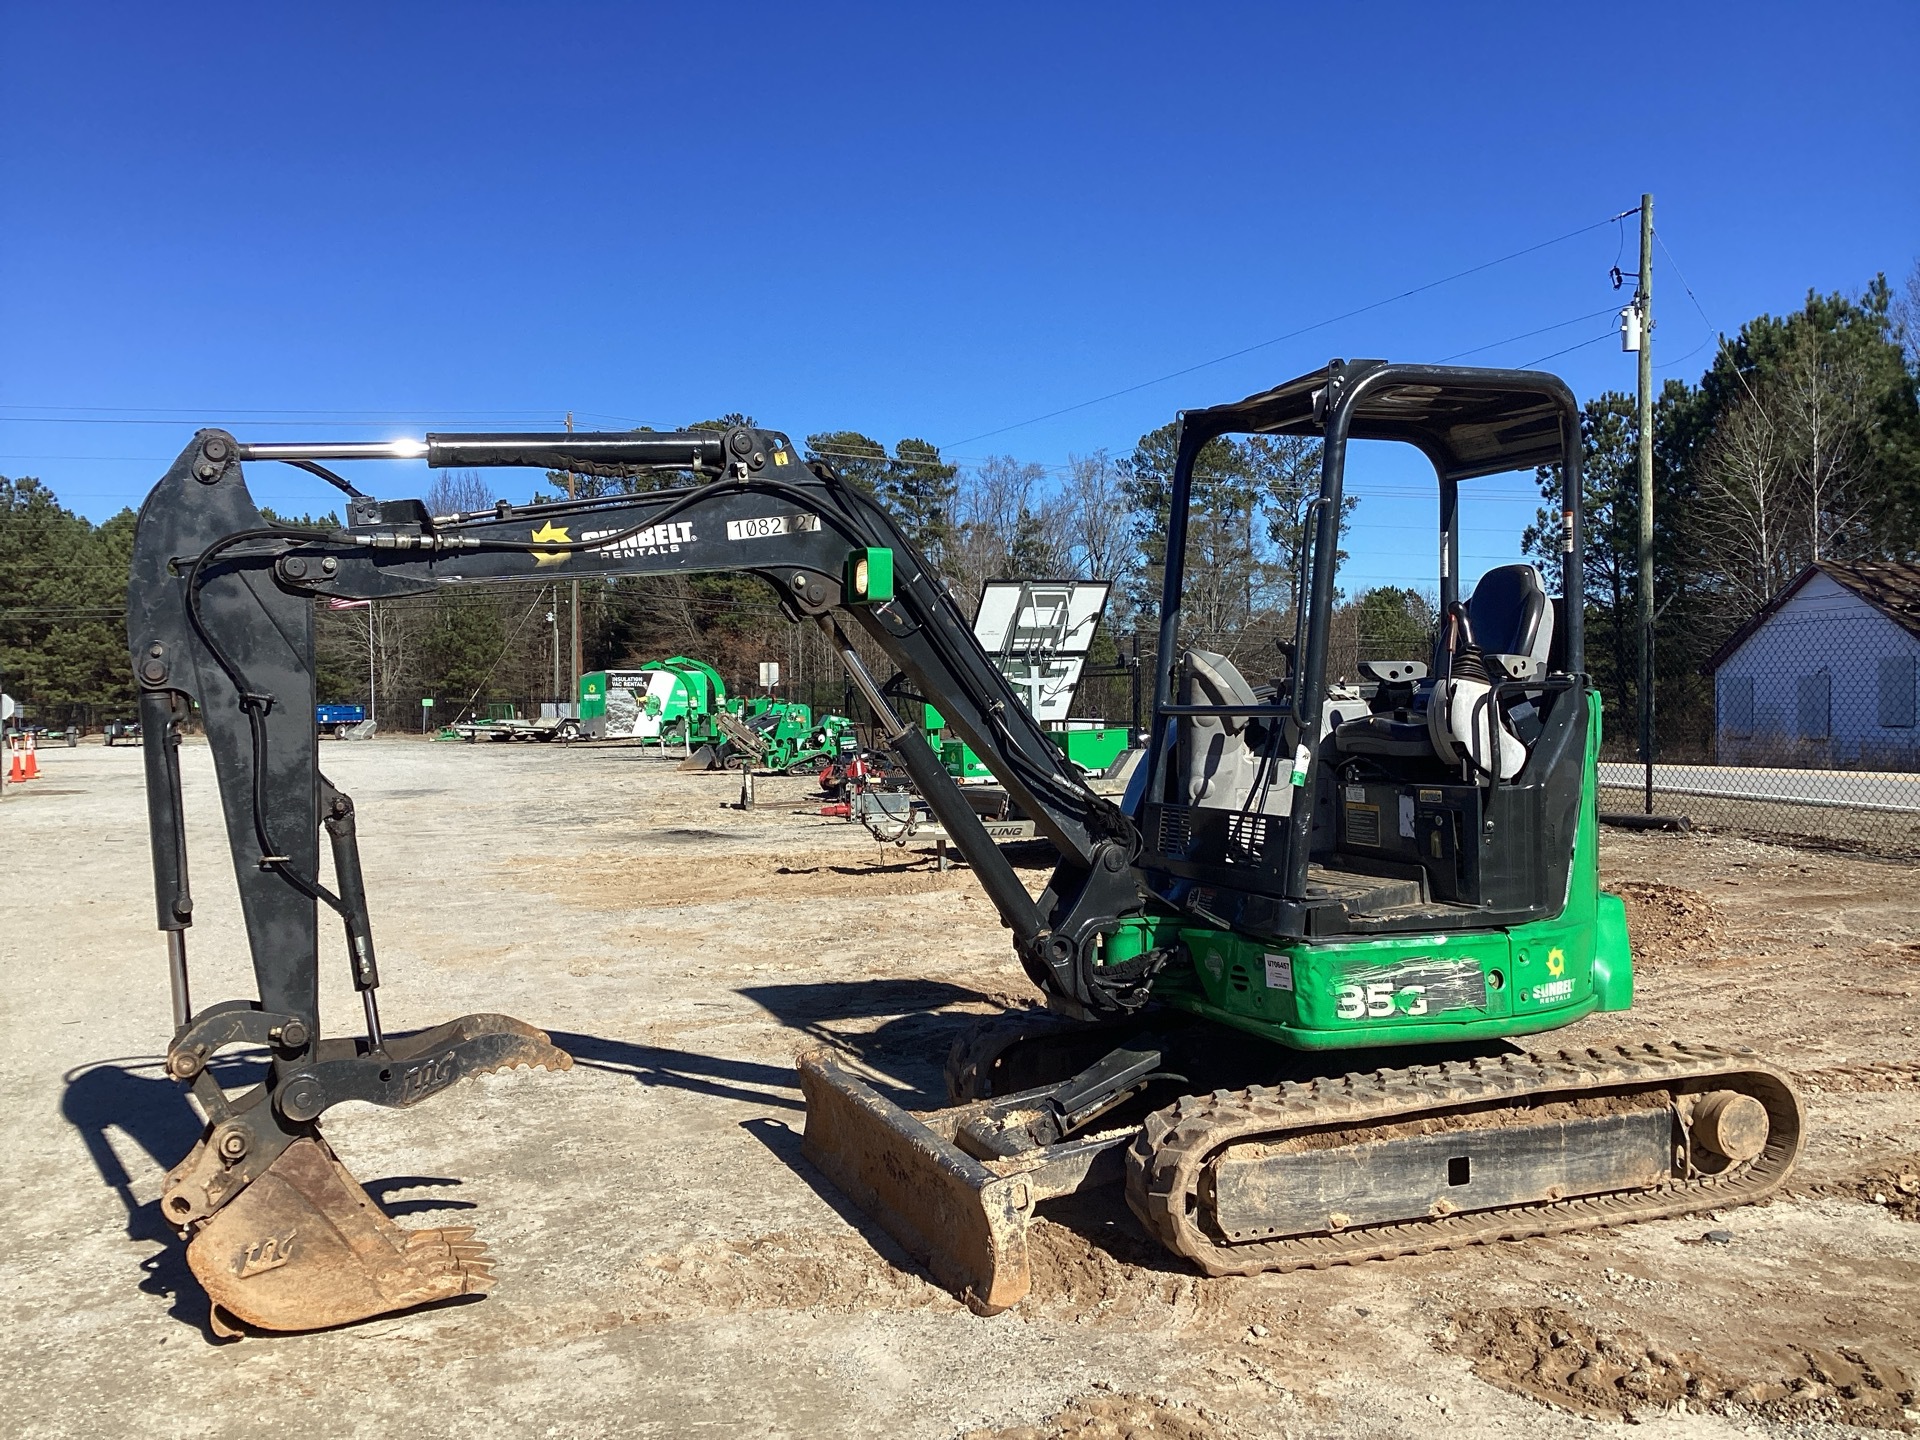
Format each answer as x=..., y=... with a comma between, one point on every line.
x=1891, y=586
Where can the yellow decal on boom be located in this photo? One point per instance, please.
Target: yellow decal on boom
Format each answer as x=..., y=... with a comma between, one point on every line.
x=552, y=534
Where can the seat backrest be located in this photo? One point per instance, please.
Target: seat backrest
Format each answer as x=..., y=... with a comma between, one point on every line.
x=1216, y=680
x=1512, y=619
x=1218, y=765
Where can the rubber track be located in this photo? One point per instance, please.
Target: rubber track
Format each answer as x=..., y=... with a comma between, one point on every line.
x=969, y=1067
x=1170, y=1156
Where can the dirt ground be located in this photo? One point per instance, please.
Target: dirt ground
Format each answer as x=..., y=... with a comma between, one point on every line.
x=669, y=1264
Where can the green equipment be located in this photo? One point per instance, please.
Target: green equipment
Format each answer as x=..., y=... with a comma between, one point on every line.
x=1283, y=976
x=659, y=702
x=780, y=735
x=1093, y=748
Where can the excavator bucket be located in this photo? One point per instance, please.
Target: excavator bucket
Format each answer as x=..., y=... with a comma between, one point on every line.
x=705, y=758
x=964, y=1218
x=304, y=1247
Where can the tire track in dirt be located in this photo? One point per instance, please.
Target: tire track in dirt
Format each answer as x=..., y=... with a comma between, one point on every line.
x=1551, y=1355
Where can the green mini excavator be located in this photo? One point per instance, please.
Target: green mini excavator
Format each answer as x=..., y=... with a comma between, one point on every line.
x=1282, y=979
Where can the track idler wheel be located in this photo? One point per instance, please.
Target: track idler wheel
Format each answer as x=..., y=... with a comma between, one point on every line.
x=304, y=1247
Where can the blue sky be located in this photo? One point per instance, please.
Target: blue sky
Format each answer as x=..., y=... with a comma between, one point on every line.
x=372, y=220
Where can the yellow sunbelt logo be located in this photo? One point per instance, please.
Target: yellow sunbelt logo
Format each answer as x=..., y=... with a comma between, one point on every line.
x=1556, y=962
x=551, y=534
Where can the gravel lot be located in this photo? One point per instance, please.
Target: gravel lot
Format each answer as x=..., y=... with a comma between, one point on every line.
x=669, y=1265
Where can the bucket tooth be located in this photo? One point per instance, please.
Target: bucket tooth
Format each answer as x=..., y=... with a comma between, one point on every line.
x=304, y=1247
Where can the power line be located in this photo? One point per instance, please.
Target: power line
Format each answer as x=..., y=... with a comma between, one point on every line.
x=1555, y=355
x=1528, y=335
x=1739, y=375
x=1291, y=334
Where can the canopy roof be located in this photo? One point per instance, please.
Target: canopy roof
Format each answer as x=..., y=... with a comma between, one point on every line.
x=1468, y=421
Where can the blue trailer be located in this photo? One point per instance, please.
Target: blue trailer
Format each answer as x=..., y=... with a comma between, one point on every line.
x=332, y=719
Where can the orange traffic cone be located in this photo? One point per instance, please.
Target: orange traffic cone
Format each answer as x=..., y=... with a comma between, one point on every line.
x=15, y=773
x=33, y=765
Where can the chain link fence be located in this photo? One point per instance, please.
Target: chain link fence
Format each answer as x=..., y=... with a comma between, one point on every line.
x=1804, y=730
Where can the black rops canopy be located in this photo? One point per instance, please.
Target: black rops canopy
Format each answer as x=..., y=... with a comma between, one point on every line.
x=1469, y=422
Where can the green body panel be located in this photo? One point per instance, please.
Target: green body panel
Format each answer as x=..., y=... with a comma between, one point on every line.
x=592, y=697
x=961, y=763
x=1092, y=749
x=707, y=690
x=1409, y=989
x=795, y=736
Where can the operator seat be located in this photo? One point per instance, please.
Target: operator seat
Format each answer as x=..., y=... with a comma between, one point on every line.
x=1503, y=632
x=1220, y=754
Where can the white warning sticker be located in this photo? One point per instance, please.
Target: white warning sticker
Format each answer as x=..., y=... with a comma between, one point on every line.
x=1279, y=972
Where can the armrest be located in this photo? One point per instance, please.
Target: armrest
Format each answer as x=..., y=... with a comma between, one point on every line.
x=1393, y=672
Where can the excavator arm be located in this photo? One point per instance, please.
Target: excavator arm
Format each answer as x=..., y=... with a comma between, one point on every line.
x=220, y=616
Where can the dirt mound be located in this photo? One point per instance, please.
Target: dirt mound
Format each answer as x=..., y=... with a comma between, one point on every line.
x=1548, y=1354
x=1895, y=1187
x=1112, y=1416
x=1089, y=1258
x=839, y=1274
x=1666, y=923
x=1123, y=1272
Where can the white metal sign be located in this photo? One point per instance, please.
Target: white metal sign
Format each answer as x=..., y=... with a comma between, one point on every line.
x=1039, y=633
x=769, y=673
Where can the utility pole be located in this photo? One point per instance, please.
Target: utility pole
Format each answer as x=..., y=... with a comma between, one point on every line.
x=1643, y=301
x=553, y=624
x=573, y=609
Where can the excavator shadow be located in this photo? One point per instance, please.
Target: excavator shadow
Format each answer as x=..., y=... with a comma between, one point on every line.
x=688, y=1070
x=903, y=1057
x=135, y=1097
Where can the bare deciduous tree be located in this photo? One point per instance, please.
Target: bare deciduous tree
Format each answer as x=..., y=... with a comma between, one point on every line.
x=1749, y=510
x=1007, y=528
x=1906, y=317
x=1783, y=481
x=458, y=492
x=1098, y=524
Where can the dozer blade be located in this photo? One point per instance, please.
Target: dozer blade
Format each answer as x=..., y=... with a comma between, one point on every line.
x=705, y=758
x=303, y=1247
x=964, y=1219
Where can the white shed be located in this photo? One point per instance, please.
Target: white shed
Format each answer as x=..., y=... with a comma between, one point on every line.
x=1825, y=674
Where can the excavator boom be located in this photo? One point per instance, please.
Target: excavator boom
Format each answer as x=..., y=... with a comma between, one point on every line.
x=220, y=616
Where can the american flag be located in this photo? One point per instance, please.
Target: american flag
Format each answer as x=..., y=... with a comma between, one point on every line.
x=335, y=603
